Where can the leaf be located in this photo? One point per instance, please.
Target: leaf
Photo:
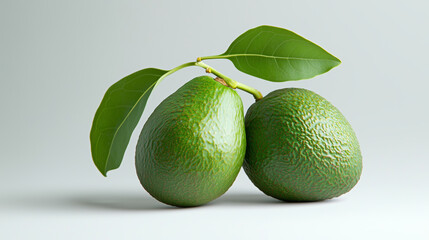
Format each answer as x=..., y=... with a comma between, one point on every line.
x=118, y=115
x=278, y=55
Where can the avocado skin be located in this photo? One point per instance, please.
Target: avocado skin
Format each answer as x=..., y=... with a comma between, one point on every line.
x=192, y=147
x=300, y=147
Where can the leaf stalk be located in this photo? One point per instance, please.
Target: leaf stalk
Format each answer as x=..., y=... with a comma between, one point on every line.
x=232, y=83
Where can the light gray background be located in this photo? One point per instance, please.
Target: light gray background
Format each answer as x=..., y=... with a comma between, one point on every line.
x=57, y=58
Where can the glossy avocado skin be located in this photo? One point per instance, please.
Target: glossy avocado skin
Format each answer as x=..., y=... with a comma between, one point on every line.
x=192, y=146
x=300, y=147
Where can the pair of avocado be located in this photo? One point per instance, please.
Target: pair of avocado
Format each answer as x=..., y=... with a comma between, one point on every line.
x=293, y=145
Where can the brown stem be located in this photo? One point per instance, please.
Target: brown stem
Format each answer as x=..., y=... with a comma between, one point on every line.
x=221, y=81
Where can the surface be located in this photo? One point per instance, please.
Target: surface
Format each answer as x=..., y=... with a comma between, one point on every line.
x=59, y=57
x=124, y=211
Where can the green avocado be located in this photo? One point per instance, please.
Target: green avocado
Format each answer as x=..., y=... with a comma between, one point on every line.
x=192, y=146
x=300, y=147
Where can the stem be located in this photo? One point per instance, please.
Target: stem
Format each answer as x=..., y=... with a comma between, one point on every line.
x=212, y=57
x=229, y=81
x=256, y=94
x=188, y=64
x=232, y=83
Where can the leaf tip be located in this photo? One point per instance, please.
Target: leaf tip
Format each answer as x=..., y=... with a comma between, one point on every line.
x=102, y=171
x=338, y=62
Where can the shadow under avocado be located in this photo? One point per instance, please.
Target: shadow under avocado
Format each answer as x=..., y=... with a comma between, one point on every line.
x=234, y=198
x=138, y=202
x=259, y=199
x=86, y=201
x=135, y=202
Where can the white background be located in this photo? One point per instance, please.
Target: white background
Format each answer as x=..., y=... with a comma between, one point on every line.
x=57, y=58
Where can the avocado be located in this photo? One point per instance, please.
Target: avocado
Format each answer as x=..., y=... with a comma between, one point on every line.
x=300, y=147
x=192, y=146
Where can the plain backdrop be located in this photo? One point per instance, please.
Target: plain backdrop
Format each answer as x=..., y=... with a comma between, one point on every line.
x=57, y=58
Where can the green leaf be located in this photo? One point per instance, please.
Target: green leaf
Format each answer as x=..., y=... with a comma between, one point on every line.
x=277, y=55
x=118, y=115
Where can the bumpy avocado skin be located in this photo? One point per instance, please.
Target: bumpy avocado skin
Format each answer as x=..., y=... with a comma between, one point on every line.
x=192, y=146
x=300, y=147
